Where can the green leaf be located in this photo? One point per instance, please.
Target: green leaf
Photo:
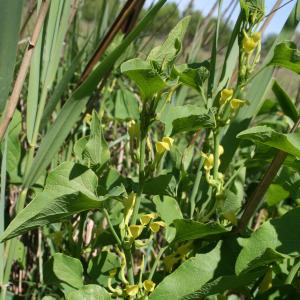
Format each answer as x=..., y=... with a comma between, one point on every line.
x=165, y=54
x=251, y=8
x=192, y=75
x=141, y=72
x=72, y=109
x=14, y=145
x=287, y=56
x=189, y=277
x=161, y=185
x=68, y=270
x=96, y=150
x=194, y=122
x=61, y=87
x=224, y=283
x=168, y=209
x=187, y=230
x=275, y=194
x=273, y=240
x=70, y=188
x=173, y=112
x=89, y=292
x=102, y=263
x=34, y=85
x=126, y=107
x=10, y=19
x=234, y=195
x=79, y=148
x=289, y=143
x=285, y=101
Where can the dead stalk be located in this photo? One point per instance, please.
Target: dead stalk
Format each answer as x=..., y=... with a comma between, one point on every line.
x=256, y=198
x=15, y=95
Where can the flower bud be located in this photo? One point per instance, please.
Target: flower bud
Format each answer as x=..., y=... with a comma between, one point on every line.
x=209, y=162
x=221, y=150
x=249, y=44
x=256, y=36
x=87, y=118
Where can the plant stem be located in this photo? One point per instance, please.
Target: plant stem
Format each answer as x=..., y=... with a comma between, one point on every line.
x=15, y=95
x=141, y=180
x=40, y=256
x=196, y=187
x=216, y=153
x=153, y=269
x=129, y=263
x=112, y=228
x=293, y=273
x=256, y=198
x=2, y=204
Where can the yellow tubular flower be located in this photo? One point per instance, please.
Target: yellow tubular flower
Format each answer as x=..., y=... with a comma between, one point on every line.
x=168, y=140
x=135, y=230
x=236, y=103
x=256, y=37
x=145, y=219
x=131, y=290
x=226, y=95
x=162, y=147
x=129, y=204
x=149, y=285
x=155, y=226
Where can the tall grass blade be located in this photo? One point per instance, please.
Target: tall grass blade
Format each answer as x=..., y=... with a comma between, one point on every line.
x=33, y=88
x=10, y=19
x=77, y=102
x=2, y=203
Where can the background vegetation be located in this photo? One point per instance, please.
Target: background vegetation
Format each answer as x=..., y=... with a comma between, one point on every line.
x=148, y=153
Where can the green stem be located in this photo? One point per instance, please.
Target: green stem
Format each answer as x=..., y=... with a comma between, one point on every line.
x=129, y=264
x=2, y=205
x=141, y=180
x=212, y=202
x=40, y=256
x=157, y=259
x=216, y=154
x=196, y=187
x=293, y=273
x=112, y=228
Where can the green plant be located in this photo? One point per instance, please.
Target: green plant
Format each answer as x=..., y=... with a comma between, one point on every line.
x=161, y=191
